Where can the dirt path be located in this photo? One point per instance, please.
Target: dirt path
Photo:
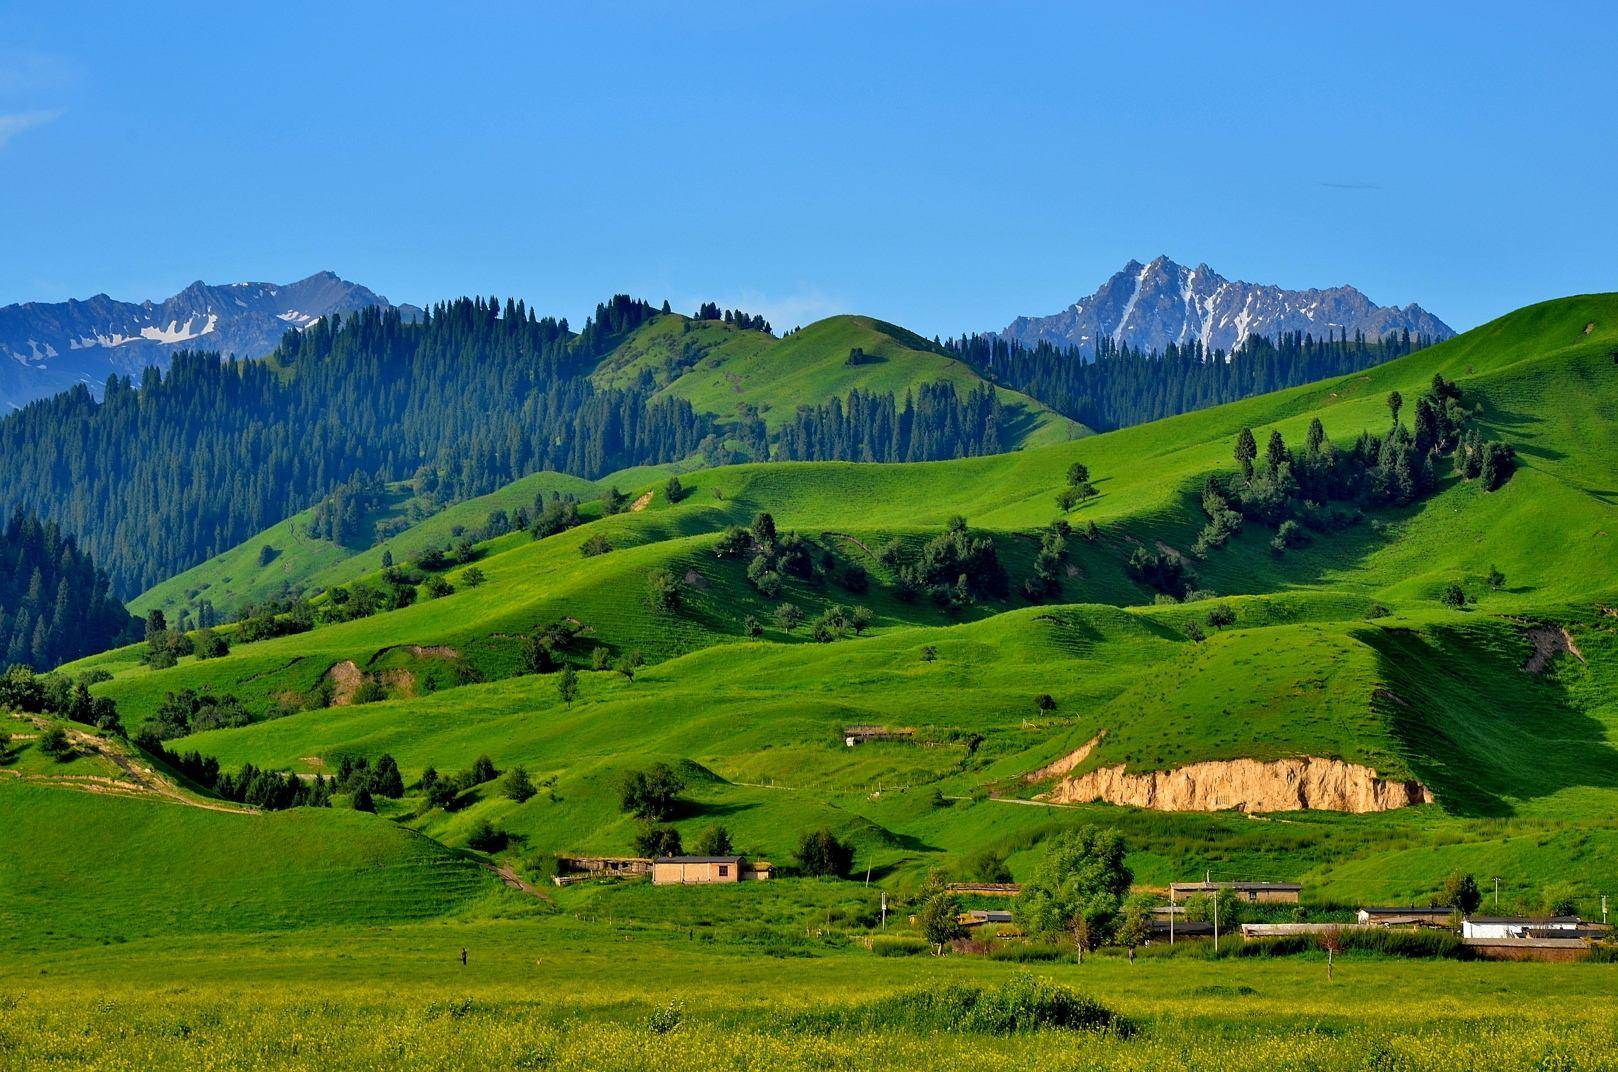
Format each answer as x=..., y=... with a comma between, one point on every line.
x=851, y=539
x=506, y=874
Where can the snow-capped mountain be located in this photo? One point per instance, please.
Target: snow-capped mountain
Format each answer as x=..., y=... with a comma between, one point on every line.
x=49, y=347
x=1151, y=305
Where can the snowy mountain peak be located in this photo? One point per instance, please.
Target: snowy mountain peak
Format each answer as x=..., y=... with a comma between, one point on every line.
x=48, y=347
x=1148, y=306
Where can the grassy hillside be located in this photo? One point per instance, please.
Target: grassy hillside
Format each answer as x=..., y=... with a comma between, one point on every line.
x=714, y=365
x=1341, y=649
x=718, y=367
x=127, y=868
x=299, y=561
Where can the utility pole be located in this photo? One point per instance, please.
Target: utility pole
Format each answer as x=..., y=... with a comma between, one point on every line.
x=1216, y=923
x=1497, y=893
x=884, y=909
x=1603, y=909
x=1171, y=913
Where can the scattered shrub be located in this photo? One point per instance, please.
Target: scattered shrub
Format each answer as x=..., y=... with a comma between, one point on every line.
x=486, y=837
x=1020, y=1004
x=821, y=853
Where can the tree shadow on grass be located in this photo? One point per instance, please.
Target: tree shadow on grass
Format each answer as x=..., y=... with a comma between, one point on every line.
x=1513, y=427
x=694, y=809
x=1476, y=728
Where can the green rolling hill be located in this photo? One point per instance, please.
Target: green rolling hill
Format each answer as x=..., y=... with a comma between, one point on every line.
x=718, y=367
x=299, y=561
x=1343, y=649
x=714, y=365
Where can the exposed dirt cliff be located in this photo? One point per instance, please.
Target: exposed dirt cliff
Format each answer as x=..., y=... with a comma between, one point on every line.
x=1302, y=784
x=1059, y=767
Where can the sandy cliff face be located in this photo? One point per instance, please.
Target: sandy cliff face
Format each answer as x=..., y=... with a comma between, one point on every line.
x=1302, y=784
x=1062, y=766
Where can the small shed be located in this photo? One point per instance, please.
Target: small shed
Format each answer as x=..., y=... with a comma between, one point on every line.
x=853, y=735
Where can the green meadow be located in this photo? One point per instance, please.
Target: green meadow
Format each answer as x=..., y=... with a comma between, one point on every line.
x=575, y=991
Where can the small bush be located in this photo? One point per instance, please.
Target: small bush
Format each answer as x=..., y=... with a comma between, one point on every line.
x=486, y=837
x=820, y=853
x=1387, y=943
x=1029, y=952
x=898, y=946
x=1018, y=1005
x=665, y=1018
x=54, y=742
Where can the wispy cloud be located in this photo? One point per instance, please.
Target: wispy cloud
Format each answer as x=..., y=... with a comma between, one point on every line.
x=14, y=123
x=1350, y=185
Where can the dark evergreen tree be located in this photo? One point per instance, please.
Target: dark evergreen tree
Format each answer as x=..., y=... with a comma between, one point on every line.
x=54, y=603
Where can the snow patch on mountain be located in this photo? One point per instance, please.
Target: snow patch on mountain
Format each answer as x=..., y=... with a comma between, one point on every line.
x=1149, y=306
x=54, y=345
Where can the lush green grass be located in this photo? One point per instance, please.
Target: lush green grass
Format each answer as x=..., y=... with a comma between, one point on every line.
x=580, y=993
x=80, y=868
x=235, y=578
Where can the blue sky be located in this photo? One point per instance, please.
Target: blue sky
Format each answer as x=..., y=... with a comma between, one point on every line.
x=944, y=165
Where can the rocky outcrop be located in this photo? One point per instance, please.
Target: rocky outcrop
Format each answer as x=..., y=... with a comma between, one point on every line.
x=1302, y=784
x=1550, y=641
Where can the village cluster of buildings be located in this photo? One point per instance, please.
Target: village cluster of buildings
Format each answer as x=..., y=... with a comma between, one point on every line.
x=1498, y=937
x=1494, y=937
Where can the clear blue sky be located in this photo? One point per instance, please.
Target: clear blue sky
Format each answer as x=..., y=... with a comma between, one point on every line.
x=944, y=165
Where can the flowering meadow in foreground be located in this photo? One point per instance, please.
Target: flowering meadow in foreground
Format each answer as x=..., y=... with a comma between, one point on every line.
x=241, y=1033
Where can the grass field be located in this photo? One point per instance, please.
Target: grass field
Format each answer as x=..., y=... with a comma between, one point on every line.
x=576, y=992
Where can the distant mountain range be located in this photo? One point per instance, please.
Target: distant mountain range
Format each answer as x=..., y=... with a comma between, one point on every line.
x=49, y=347
x=1148, y=306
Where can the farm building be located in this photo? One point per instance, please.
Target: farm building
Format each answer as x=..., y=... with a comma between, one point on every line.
x=1431, y=916
x=705, y=870
x=1521, y=927
x=1251, y=892
x=979, y=916
x=1525, y=938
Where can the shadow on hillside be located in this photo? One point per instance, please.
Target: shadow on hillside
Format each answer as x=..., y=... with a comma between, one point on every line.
x=1513, y=427
x=1477, y=729
x=692, y=809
